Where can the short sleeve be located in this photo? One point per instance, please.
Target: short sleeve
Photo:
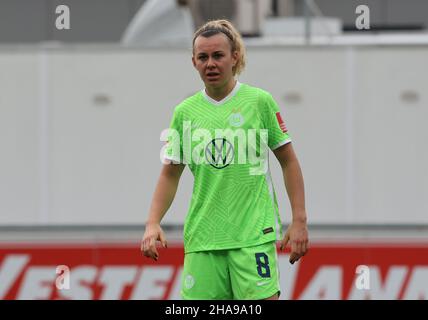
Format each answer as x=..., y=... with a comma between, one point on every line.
x=277, y=131
x=174, y=147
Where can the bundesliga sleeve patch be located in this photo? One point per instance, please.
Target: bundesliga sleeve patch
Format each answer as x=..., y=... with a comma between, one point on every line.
x=281, y=122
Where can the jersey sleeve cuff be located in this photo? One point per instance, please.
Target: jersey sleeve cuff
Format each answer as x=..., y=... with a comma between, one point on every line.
x=276, y=146
x=173, y=159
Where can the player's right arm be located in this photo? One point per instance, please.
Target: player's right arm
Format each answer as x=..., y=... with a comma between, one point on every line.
x=164, y=195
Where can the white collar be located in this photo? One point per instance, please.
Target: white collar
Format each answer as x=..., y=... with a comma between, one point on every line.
x=225, y=99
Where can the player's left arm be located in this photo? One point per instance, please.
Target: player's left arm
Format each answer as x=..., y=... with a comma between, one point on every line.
x=297, y=232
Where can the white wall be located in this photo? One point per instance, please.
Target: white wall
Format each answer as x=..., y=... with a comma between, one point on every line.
x=19, y=127
x=65, y=159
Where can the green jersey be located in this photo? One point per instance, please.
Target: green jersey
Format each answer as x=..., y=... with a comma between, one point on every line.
x=225, y=145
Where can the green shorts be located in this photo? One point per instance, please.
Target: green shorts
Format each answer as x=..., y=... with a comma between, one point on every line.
x=247, y=274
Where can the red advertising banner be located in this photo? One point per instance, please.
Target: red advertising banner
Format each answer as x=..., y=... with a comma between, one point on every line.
x=119, y=271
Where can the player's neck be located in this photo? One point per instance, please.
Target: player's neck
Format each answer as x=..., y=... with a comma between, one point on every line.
x=220, y=93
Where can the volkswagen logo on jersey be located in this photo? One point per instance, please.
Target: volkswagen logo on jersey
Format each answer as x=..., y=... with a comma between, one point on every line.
x=219, y=153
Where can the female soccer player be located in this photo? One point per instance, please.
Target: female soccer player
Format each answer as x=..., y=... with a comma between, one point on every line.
x=230, y=230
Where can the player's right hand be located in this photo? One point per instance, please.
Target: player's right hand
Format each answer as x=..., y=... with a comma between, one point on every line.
x=152, y=234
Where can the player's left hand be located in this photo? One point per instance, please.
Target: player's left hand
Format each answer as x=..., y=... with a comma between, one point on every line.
x=297, y=235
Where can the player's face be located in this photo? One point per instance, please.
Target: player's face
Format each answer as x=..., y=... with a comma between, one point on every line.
x=213, y=59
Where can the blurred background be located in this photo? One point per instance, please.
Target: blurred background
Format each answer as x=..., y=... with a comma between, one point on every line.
x=87, y=87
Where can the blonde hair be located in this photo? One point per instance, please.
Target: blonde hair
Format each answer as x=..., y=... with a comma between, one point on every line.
x=235, y=39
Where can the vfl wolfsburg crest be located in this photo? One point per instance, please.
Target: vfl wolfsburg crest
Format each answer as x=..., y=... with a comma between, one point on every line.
x=219, y=153
x=236, y=119
x=189, y=281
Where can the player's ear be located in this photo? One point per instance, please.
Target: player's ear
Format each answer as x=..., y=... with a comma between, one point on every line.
x=194, y=61
x=235, y=56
